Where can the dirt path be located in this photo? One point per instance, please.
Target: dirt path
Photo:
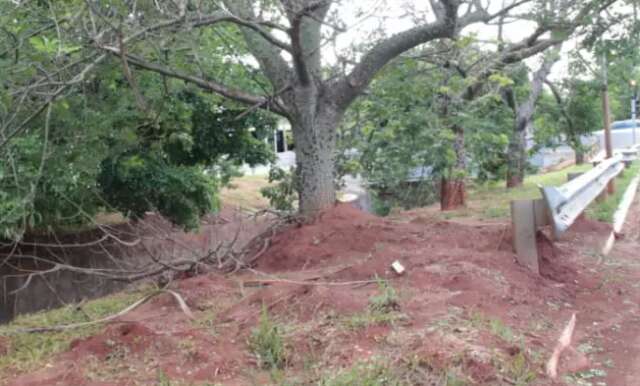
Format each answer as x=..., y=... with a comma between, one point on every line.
x=610, y=313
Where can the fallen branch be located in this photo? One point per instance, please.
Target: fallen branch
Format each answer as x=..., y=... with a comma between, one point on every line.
x=563, y=343
x=180, y=300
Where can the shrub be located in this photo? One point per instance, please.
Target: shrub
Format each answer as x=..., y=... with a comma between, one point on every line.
x=386, y=300
x=135, y=184
x=284, y=193
x=267, y=343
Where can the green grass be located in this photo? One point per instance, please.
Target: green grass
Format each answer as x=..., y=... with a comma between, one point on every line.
x=494, y=325
x=492, y=200
x=604, y=210
x=386, y=300
x=244, y=192
x=28, y=351
x=377, y=371
x=370, y=373
x=267, y=343
x=383, y=309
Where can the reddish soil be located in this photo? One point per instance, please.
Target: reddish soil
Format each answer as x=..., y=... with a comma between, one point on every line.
x=461, y=298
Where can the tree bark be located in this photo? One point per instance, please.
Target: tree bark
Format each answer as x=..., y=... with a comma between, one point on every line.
x=315, y=158
x=452, y=188
x=579, y=155
x=516, y=158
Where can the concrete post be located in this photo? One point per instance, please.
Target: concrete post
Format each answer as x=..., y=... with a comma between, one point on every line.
x=523, y=222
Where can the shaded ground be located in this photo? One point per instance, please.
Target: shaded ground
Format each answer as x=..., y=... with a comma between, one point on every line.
x=463, y=313
x=117, y=245
x=611, y=332
x=244, y=192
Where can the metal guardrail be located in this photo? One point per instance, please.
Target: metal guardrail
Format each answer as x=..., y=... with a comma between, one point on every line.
x=567, y=202
x=559, y=208
x=628, y=155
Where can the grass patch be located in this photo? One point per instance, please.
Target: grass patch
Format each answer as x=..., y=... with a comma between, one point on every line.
x=382, y=308
x=370, y=373
x=386, y=300
x=267, y=343
x=518, y=370
x=603, y=211
x=244, y=192
x=28, y=351
x=495, y=326
x=492, y=199
x=367, y=319
x=380, y=372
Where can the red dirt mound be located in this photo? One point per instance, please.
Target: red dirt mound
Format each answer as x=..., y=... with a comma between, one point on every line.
x=133, y=337
x=462, y=302
x=350, y=230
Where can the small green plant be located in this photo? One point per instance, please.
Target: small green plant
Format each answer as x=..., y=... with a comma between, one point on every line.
x=498, y=328
x=494, y=325
x=519, y=370
x=267, y=343
x=386, y=300
x=163, y=379
x=382, y=308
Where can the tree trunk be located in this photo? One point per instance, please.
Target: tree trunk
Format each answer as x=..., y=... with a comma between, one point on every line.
x=516, y=158
x=452, y=193
x=452, y=188
x=315, y=161
x=579, y=155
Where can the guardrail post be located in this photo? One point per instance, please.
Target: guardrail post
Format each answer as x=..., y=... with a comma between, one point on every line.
x=523, y=222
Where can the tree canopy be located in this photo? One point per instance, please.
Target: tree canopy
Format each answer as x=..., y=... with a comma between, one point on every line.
x=151, y=105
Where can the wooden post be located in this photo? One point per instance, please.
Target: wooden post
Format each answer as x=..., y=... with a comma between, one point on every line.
x=523, y=222
x=611, y=188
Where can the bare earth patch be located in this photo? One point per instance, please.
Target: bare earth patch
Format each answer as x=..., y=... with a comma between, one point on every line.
x=464, y=311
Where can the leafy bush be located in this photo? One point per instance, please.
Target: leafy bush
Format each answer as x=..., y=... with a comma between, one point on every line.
x=135, y=184
x=102, y=154
x=37, y=191
x=283, y=194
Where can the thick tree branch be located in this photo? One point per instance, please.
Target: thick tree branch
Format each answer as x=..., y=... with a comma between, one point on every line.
x=305, y=38
x=208, y=85
x=142, y=104
x=229, y=17
x=349, y=87
x=275, y=67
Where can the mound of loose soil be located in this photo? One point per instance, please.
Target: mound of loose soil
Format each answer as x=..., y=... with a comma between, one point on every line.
x=338, y=232
x=463, y=303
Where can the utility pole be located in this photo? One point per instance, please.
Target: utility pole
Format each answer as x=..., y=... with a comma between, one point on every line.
x=607, y=120
x=634, y=99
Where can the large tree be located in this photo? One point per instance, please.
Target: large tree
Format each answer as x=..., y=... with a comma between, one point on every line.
x=284, y=37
